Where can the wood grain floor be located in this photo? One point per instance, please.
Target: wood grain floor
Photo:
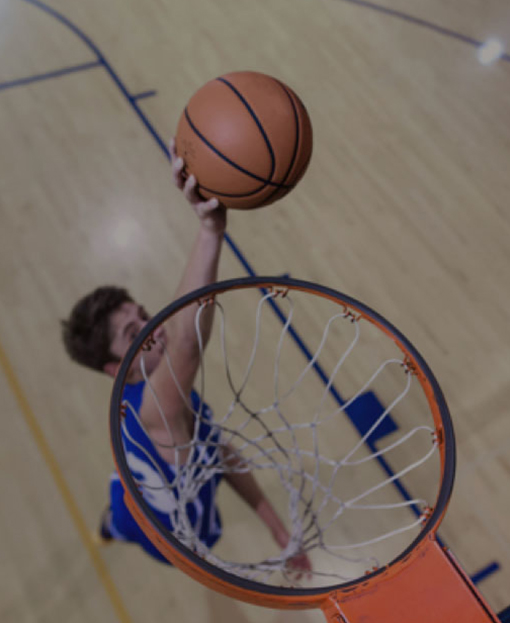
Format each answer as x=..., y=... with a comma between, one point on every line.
x=404, y=206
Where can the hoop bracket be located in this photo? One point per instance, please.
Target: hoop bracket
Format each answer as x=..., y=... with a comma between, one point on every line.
x=433, y=588
x=279, y=291
x=206, y=301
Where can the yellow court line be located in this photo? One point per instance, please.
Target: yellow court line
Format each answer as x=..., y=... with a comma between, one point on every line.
x=64, y=490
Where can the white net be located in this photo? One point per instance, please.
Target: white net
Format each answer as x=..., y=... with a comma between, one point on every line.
x=339, y=470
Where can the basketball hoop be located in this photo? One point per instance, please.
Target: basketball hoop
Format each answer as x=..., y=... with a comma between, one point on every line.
x=288, y=421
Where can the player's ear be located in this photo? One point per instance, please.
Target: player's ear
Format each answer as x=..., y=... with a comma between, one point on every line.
x=111, y=368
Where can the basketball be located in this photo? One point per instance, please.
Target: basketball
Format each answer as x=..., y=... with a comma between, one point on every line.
x=247, y=139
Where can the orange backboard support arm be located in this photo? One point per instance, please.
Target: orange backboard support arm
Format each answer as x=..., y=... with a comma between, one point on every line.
x=430, y=587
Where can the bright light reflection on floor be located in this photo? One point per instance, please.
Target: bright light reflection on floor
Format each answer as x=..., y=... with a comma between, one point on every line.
x=490, y=51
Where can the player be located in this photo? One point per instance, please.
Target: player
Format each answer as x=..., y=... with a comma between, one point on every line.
x=98, y=334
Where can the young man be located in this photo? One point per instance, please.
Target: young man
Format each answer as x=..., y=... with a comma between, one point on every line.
x=98, y=334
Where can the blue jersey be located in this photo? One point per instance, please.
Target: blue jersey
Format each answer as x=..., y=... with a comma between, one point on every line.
x=147, y=466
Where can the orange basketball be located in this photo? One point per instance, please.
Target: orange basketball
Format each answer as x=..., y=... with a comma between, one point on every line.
x=246, y=137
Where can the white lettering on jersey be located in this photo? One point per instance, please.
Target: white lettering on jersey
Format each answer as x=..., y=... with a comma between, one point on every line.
x=155, y=492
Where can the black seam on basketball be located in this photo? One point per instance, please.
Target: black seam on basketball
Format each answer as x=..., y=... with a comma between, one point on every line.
x=298, y=132
x=257, y=121
x=231, y=162
x=300, y=174
x=217, y=193
x=296, y=142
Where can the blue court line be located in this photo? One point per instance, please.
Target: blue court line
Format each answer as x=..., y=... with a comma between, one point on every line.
x=417, y=21
x=235, y=249
x=88, y=42
x=143, y=95
x=50, y=74
x=504, y=615
x=485, y=572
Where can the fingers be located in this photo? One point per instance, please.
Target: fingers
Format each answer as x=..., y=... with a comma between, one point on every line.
x=189, y=186
x=302, y=562
x=301, y=567
x=177, y=172
x=190, y=190
x=171, y=149
x=177, y=166
x=205, y=208
x=192, y=195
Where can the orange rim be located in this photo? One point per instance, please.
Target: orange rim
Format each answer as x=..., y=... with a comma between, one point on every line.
x=248, y=590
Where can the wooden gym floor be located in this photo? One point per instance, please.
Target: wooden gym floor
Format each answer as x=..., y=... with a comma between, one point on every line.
x=404, y=206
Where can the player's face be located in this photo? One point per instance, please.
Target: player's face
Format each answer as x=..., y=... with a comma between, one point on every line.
x=126, y=323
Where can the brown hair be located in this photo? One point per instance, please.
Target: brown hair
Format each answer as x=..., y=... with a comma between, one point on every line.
x=86, y=334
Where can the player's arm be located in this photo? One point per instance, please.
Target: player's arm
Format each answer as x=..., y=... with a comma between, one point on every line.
x=202, y=265
x=245, y=485
x=201, y=269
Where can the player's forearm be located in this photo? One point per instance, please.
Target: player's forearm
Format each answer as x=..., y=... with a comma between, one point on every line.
x=248, y=489
x=202, y=266
x=269, y=516
x=245, y=485
x=201, y=270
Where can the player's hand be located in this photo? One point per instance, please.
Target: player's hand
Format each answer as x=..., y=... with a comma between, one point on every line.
x=212, y=215
x=300, y=566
